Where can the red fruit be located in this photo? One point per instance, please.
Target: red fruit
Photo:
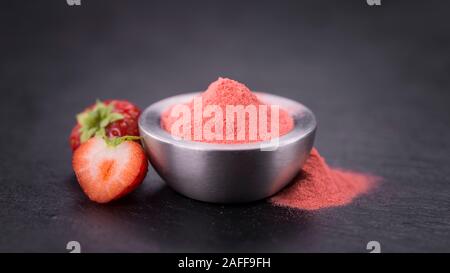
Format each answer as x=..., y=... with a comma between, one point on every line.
x=108, y=169
x=111, y=118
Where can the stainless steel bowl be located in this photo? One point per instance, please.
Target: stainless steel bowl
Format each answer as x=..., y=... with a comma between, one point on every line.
x=227, y=173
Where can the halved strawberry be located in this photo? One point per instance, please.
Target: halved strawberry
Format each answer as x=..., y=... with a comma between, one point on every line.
x=111, y=118
x=108, y=169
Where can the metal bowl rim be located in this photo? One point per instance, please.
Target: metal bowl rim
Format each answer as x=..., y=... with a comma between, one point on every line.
x=155, y=130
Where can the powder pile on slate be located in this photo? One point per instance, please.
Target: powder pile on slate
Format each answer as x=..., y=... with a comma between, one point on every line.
x=319, y=186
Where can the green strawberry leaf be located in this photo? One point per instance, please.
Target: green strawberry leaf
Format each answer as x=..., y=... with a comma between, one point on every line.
x=115, y=116
x=104, y=122
x=87, y=134
x=93, y=122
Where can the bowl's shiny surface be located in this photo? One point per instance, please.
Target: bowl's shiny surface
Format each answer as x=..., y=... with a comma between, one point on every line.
x=227, y=173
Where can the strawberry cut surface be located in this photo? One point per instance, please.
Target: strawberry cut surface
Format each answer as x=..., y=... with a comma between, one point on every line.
x=107, y=172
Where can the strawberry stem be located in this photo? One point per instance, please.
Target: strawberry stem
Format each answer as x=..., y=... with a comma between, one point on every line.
x=115, y=141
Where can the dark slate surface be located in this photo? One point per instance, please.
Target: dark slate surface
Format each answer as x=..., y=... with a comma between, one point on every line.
x=376, y=77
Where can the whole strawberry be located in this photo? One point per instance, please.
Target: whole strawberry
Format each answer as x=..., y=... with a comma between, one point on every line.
x=111, y=118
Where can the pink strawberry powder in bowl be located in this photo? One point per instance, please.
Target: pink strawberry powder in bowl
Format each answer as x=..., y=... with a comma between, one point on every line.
x=206, y=157
x=223, y=93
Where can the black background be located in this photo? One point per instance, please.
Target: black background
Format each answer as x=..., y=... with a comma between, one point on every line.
x=377, y=78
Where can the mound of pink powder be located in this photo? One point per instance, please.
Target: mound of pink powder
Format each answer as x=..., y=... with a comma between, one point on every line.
x=319, y=186
x=225, y=92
